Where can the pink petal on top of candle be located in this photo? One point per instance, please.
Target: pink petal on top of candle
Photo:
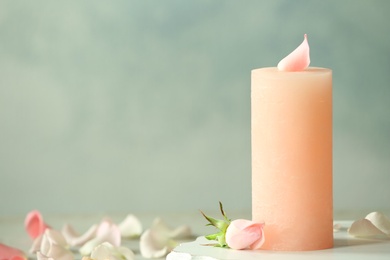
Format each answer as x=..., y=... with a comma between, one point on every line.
x=34, y=224
x=297, y=60
x=7, y=252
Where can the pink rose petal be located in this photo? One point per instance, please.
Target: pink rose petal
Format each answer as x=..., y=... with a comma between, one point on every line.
x=11, y=253
x=297, y=60
x=18, y=258
x=258, y=243
x=34, y=224
x=243, y=233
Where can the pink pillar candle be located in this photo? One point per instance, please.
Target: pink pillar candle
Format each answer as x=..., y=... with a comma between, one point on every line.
x=292, y=157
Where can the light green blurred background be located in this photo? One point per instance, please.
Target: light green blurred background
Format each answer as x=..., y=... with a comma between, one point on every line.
x=118, y=106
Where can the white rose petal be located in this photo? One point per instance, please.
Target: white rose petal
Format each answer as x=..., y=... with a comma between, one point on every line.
x=375, y=224
x=106, y=232
x=154, y=244
x=180, y=232
x=74, y=239
x=107, y=251
x=380, y=221
x=336, y=227
x=158, y=241
x=130, y=227
x=54, y=246
x=40, y=256
x=125, y=252
x=36, y=245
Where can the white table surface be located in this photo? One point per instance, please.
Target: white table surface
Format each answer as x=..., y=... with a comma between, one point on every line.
x=13, y=234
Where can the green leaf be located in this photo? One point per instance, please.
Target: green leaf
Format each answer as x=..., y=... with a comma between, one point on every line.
x=212, y=221
x=221, y=225
x=223, y=213
x=211, y=236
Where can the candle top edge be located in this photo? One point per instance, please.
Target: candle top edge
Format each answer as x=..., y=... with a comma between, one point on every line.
x=274, y=71
x=308, y=69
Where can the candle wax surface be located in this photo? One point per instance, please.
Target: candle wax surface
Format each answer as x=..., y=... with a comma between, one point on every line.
x=292, y=157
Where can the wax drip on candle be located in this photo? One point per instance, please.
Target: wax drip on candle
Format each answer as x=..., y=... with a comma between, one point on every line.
x=297, y=60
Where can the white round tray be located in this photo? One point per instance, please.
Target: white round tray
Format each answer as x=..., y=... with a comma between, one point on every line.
x=345, y=247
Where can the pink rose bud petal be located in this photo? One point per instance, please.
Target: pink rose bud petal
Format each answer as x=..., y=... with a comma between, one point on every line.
x=7, y=252
x=34, y=224
x=297, y=60
x=243, y=233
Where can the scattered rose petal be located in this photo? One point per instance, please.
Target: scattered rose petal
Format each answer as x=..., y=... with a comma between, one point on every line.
x=74, y=239
x=36, y=245
x=374, y=224
x=54, y=246
x=336, y=227
x=107, y=251
x=380, y=221
x=109, y=230
x=155, y=245
x=34, y=224
x=106, y=232
x=180, y=232
x=11, y=253
x=18, y=258
x=242, y=234
x=297, y=60
x=159, y=240
x=40, y=256
x=130, y=227
x=364, y=228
